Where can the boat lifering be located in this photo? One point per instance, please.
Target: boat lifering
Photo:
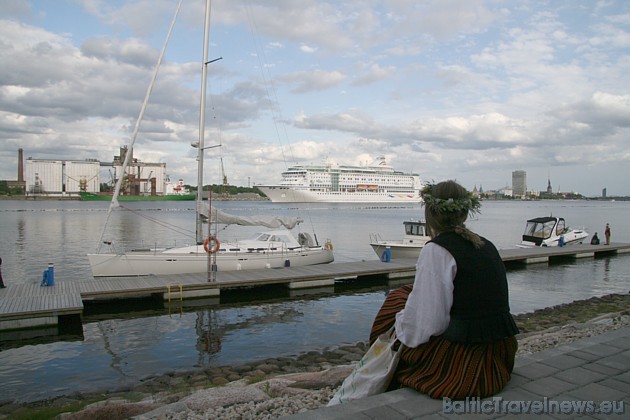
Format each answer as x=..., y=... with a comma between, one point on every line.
x=328, y=246
x=211, y=245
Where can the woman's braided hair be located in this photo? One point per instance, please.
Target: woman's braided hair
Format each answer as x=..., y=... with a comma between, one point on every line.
x=446, y=208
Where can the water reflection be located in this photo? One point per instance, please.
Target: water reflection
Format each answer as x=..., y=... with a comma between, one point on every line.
x=107, y=330
x=209, y=336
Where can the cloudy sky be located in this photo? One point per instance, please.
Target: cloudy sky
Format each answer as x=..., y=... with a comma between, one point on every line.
x=468, y=90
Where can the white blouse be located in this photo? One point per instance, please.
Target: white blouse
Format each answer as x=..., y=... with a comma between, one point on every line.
x=427, y=311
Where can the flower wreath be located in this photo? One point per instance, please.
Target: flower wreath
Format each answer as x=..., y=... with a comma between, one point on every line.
x=470, y=204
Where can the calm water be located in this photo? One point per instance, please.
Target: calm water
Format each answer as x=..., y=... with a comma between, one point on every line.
x=115, y=351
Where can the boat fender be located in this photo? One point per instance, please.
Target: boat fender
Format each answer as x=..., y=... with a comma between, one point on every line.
x=211, y=244
x=328, y=246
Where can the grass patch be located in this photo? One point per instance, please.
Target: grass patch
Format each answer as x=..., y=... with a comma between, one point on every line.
x=45, y=413
x=255, y=379
x=577, y=311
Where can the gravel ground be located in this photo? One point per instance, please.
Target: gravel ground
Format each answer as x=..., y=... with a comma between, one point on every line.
x=277, y=387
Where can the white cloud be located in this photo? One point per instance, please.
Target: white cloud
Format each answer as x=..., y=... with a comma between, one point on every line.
x=307, y=49
x=446, y=88
x=307, y=81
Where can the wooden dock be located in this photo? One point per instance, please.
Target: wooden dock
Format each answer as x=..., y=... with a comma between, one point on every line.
x=31, y=305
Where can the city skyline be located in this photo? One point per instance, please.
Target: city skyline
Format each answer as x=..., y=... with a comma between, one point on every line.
x=476, y=187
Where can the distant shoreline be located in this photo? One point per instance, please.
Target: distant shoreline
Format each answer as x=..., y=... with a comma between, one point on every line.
x=77, y=198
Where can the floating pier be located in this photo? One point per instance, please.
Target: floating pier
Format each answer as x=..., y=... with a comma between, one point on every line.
x=31, y=305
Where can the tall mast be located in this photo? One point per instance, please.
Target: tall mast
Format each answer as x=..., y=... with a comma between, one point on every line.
x=202, y=121
x=114, y=203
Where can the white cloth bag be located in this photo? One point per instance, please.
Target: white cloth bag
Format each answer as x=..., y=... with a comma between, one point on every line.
x=373, y=372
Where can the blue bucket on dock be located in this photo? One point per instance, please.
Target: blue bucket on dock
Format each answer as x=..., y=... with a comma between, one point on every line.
x=387, y=254
x=48, y=278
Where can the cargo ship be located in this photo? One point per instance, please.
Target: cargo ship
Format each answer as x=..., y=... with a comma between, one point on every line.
x=86, y=196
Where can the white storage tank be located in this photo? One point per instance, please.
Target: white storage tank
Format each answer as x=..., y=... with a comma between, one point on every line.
x=44, y=176
x=82, y=175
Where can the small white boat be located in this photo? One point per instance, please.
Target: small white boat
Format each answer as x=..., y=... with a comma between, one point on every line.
x=409, y=247
x=550, y=231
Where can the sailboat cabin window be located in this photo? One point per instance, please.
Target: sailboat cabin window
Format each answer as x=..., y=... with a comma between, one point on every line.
x=261, y=237
x=280, y=238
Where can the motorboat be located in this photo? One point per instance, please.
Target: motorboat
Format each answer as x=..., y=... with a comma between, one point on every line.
x=408, y=247
x=551, y=231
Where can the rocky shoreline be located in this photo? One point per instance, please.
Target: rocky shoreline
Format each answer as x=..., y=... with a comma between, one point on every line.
x=281, y=386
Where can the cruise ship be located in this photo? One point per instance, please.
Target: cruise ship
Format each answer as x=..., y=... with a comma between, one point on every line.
x=332, y=183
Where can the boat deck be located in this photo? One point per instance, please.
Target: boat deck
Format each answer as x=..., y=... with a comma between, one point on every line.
x=32, y=305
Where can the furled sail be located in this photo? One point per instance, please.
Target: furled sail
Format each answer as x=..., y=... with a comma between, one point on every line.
x=272, y=222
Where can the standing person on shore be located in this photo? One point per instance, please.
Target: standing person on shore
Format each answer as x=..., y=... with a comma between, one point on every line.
x=607, y=234
x=2, y=286
x=454, y=323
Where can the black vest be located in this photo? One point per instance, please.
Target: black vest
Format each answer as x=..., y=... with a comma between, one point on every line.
x=481, y=309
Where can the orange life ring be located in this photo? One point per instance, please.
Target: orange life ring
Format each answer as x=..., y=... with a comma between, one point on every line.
x=211, y=249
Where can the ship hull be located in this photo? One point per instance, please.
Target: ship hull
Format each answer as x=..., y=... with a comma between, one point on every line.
x=281, y=194
x=169, y=263
x=172, y=197
x=397, y=250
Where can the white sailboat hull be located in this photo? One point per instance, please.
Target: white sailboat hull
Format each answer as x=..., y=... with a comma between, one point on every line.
x=170, y=263
x=281, y=194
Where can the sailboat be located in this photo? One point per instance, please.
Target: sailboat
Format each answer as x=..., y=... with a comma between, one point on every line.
x=273, y=248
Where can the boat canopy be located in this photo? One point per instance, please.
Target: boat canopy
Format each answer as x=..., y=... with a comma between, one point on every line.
x=542, y=228
x=272, y=222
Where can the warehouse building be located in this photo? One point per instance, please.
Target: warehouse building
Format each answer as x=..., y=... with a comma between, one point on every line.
x=61, y=177
x=68, y=178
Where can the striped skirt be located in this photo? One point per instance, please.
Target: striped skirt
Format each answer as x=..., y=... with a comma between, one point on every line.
x=442, y=368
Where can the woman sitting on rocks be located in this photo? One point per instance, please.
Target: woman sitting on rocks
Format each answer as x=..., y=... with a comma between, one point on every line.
x=454, y=323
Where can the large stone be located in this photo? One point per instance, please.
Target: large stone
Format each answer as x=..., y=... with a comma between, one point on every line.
x=352, y=357
x=219, y=380
x=317, y=380
x=233, y=377
x=268, y=368
x=241, y=368
x=215, y=397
